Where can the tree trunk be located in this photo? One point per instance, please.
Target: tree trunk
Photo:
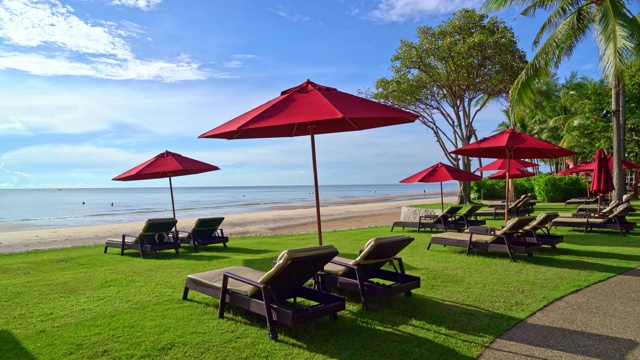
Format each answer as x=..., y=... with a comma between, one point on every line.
x=618, y=173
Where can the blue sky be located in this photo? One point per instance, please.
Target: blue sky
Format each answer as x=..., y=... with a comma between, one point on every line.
x=91, y=88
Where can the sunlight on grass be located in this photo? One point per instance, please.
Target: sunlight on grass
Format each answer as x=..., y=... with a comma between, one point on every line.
x=79, y=303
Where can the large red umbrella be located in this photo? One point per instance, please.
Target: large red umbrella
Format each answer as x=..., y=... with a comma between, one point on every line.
x=310, y=109
x=601, y=181
x=166, y=165
x=501, y=164
x=440, y=173
x=512, y=144
x=513, y=174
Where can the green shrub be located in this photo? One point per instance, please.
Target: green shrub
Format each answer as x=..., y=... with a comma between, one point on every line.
x=547, y=188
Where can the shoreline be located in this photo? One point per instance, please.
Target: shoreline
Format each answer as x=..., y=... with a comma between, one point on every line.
x=349, y=215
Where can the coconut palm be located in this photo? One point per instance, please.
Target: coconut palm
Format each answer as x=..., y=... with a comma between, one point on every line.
x=569, y=22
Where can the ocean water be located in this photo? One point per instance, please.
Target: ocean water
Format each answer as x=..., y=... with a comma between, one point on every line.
x=27, y=209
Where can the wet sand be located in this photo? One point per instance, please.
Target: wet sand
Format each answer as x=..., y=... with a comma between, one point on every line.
x=382, y=211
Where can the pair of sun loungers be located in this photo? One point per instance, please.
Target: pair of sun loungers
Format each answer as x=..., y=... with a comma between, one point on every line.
x=449, y=219
x=280, y=295
x=523, y=206
x=519, y=236
x=160, y=234
x=615, y=220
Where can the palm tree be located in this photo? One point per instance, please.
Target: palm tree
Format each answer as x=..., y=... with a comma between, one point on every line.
x=569, y=22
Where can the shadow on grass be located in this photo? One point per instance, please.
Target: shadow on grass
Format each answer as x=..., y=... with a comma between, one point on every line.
x=11, y=348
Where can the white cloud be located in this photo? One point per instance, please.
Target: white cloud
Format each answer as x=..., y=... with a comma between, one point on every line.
x=291, y=17
x=401, y=10
x=142, y=4
x=66, y=45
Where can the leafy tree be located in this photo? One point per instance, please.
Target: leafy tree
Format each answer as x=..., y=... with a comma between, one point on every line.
x=569, y=22
x=450, y=73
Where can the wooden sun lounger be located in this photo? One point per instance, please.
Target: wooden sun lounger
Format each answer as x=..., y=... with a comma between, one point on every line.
x=443, y=221
x=273, y=294
x=364, y=274
x=156, y=235
x=507, y=239
x=539, y=231
x=205, y=231
x=616, y=221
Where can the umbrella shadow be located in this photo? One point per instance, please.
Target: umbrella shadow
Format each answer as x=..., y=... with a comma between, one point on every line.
x=11, y=348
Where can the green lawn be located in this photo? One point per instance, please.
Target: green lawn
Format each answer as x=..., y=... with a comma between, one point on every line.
x=79, y=303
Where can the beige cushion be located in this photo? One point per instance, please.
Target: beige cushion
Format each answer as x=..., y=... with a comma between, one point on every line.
x=214, y=279
x=369, y=247
x=465, y=237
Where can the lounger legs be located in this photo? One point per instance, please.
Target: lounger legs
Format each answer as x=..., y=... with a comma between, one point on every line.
x=185, y=293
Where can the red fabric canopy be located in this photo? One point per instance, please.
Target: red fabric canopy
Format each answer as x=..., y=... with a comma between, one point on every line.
x=513, y=174
x=166, y=165
x=512, y=144
x=626, y=164
x=601, y=181
x=310, y=109
x=501, y=164
x=440, y=173
x=326, y=108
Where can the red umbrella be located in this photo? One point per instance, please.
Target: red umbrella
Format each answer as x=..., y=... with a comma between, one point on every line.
x=512, y=144
x=513, y=174
x=310, y=109
x=601, y=181
x=166, y=165
x=626, y=164
x=440, y=173
x=501, y=164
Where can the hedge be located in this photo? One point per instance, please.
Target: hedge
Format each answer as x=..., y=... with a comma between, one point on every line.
x=547, y=188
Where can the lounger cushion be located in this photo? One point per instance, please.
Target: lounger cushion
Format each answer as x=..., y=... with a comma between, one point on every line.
x=465, y=237
x=362, y=259
x=214, y=278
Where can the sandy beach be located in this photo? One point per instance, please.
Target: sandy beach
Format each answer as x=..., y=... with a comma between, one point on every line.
x=335, y=216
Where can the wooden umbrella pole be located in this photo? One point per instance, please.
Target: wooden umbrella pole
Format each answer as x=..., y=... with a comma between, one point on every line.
x=173, y=207
x=315, y=182
x=441, y=198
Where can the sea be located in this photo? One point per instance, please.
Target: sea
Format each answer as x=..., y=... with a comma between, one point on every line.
x=30, y=209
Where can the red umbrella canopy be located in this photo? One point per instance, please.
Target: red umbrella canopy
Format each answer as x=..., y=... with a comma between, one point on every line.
x=513, y=174
x=440, y=173
x=501, y=164
x=626, y=164
x=602, y=181
x=328, y=109
x=309, y=109
x=512, y=144
x=166, y=164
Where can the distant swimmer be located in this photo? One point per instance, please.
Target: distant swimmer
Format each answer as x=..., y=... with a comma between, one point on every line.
x=83, y=203
x=111, y=204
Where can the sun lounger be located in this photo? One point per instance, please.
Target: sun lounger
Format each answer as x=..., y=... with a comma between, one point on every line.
x=616, y=221
x=205, y=231
x=156, y=235
x=583, y=200
x=273, y=294
x=469, y=217
x=365, y=274
x=507, y=239
x=542, y=225
x=444, y=221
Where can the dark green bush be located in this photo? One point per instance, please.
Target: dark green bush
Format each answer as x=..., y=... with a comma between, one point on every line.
x=547, y=188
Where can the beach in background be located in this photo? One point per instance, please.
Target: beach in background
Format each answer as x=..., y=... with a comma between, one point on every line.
x=366, y=208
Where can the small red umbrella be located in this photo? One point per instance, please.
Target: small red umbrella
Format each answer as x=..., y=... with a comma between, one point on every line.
x=166, y=165
x=626, y=164
x=601, y=181
x=310, y=109
x=501, y=164
x=513, y=174
x=512, y=144
x=440, y=173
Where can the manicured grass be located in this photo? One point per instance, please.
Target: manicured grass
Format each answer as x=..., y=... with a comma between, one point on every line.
x=79, y=303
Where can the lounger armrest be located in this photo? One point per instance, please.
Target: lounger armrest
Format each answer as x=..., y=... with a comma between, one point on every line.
x=243, y=279
x=338, y=262
x=187, y=232
x=127, y=235
x=429, y=216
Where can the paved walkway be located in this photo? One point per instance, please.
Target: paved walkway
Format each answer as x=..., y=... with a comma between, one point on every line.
x=598, y=322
